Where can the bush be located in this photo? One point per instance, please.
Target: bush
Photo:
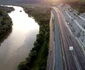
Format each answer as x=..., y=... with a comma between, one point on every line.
x=5, y=23
x=22, y=66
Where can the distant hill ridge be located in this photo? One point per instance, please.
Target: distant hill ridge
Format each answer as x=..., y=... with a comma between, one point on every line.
x=33, y=1
x=20, y=1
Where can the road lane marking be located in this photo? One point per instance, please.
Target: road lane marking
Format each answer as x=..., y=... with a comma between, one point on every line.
x=80, y=16
x=76, y=22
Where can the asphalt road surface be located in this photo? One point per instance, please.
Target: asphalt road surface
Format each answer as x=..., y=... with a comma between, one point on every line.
x=69, y=40
x=66, y=41
x=78, y=52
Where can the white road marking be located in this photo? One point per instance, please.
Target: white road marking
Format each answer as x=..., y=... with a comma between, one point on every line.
x=76, y=22
x=80, y=17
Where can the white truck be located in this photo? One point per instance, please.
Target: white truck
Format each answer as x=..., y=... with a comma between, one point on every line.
x=71, y=48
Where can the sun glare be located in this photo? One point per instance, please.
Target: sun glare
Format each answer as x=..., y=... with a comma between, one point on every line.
x=55, y=0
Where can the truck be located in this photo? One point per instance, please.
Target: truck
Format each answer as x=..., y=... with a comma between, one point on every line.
x=71, y=48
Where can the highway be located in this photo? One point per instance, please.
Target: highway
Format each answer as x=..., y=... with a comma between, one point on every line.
x=62, y=33
x=65, y=37
x=58, y=54
x=69, y=40
x=55, y=57
x=78, y=52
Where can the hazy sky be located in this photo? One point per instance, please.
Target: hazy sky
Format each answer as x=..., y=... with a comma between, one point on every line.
x=29, y=1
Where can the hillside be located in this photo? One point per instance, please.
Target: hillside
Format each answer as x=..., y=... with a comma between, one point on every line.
x=19, y=1
x=78, y=5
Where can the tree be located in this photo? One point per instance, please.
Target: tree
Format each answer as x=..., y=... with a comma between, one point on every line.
x=23, y=66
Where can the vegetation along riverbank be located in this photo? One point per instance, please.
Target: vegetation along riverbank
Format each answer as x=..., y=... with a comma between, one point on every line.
x=5, y=23
x=37, y=59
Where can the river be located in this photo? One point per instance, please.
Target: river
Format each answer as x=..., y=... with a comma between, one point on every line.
x=16, y=47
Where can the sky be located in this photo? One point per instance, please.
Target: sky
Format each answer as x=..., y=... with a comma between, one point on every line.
x=28, y=1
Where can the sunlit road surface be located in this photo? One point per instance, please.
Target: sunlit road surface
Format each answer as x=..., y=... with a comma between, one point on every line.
x=69, y=59
x=54, y=57
x=69, y=40
x=58, y=55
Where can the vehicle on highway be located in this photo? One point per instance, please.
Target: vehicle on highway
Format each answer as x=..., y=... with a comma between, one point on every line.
x=71, y=48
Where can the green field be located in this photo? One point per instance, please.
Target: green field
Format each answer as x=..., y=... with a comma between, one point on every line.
x=79, y=5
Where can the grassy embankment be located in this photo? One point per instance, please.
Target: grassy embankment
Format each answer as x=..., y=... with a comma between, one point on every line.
x=78, y=5
x=37, y=59
x=5, y=23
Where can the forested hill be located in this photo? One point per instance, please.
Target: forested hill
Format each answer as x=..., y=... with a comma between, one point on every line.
x=33, y=1
x=19, y=1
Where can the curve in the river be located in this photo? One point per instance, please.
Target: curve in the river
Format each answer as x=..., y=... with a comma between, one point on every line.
x=17, y=46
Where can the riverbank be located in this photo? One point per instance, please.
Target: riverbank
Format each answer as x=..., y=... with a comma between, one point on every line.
x=17, y=45
x=5, y=23
x=37, y=59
